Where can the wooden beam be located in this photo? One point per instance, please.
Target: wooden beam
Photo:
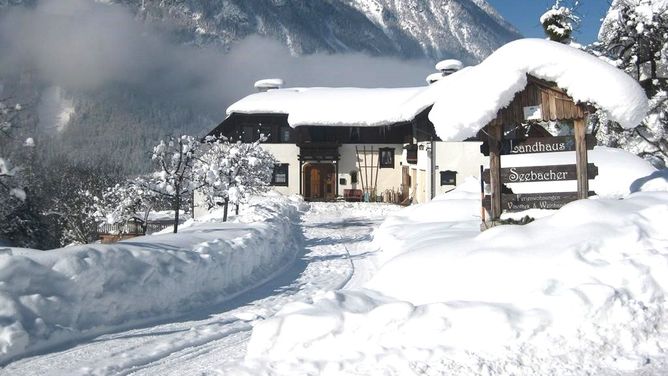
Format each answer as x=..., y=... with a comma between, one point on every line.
x=495, y=138
x=581, y=158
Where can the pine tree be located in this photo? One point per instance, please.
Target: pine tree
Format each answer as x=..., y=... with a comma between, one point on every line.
x=559, y=22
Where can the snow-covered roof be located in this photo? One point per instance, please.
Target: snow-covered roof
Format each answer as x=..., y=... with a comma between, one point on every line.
x=333, y=106
x=434, y=77
x=467, y=100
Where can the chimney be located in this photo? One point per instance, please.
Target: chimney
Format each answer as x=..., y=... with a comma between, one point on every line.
x=268, y=84
x=445, y=68
x=448, y=67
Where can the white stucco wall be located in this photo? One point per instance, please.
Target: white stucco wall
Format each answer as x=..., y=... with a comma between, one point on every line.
x=387, y=178
x=463, y=157
x=286, y=153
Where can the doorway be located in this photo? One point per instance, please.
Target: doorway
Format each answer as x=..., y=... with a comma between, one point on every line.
x=319, y=182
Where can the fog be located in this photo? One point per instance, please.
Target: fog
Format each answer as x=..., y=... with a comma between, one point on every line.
x=85, y=45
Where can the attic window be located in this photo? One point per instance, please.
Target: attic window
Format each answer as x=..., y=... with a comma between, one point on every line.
x=354, y=134
x=285, y=134
x=248, y=133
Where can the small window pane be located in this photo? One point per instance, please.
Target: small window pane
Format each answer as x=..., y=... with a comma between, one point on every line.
x=285, y=134
x=448, y=177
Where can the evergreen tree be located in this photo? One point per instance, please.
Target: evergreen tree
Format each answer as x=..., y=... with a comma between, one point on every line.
x=559, y=22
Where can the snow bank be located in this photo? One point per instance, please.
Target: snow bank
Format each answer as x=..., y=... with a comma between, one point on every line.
x=469, y=99
x=453, y=214
x=47, y=298
x=582, y=291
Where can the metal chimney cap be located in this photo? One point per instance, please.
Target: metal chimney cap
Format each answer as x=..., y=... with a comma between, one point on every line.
x=450, y=65
x=269, y=83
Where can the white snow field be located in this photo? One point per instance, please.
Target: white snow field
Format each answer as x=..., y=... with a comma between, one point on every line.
x=581, y=291
x=182, y=305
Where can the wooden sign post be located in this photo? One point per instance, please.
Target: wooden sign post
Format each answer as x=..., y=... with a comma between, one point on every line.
x=495, y=139
x=581, y=158
x=496, y=176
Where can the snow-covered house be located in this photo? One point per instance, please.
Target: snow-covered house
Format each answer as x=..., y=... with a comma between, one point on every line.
x=343, y=142
x=333, y=141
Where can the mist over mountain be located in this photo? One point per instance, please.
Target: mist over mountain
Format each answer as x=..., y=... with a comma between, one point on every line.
x=102, y=80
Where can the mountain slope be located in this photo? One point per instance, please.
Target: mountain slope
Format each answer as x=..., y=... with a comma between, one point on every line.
x=182, y=71
x=465, y=29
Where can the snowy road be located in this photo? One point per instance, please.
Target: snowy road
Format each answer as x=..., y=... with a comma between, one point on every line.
x=336, y=239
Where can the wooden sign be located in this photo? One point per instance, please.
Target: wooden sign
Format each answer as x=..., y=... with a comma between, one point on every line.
x=540, y=173
x=538, y=145
x=526, y=201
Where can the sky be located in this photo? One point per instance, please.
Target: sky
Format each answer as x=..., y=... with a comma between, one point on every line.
x=525, y=15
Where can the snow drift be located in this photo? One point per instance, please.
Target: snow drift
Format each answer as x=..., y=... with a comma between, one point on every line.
x=581, y=291
x=47, y=298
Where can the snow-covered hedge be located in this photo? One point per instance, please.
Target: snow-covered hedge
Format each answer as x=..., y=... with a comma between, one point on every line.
x=47, y=298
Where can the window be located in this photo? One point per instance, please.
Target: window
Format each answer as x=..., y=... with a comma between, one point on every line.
x=354, y=134
x=266, y=131
x=411, y=154
x=279, y=177
x=448, y=177
x=353, y=177
x=285, y=134
x=386, y=157
x=248, y=134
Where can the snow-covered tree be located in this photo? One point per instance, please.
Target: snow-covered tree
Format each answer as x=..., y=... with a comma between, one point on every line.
x=8, y=192
x=174, y=178
x=67, y=197
x=634, y=37
x=125, y=202
x=230, y=172
x=560, y=21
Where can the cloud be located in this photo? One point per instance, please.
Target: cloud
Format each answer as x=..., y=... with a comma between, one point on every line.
x=87, y=45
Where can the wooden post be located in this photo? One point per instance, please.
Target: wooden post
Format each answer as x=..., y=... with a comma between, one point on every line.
x=581, y=158
x=495, y=138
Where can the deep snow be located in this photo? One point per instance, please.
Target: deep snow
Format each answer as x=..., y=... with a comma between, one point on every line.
x=49, y=298
x=580, y=291
x=335, y=243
